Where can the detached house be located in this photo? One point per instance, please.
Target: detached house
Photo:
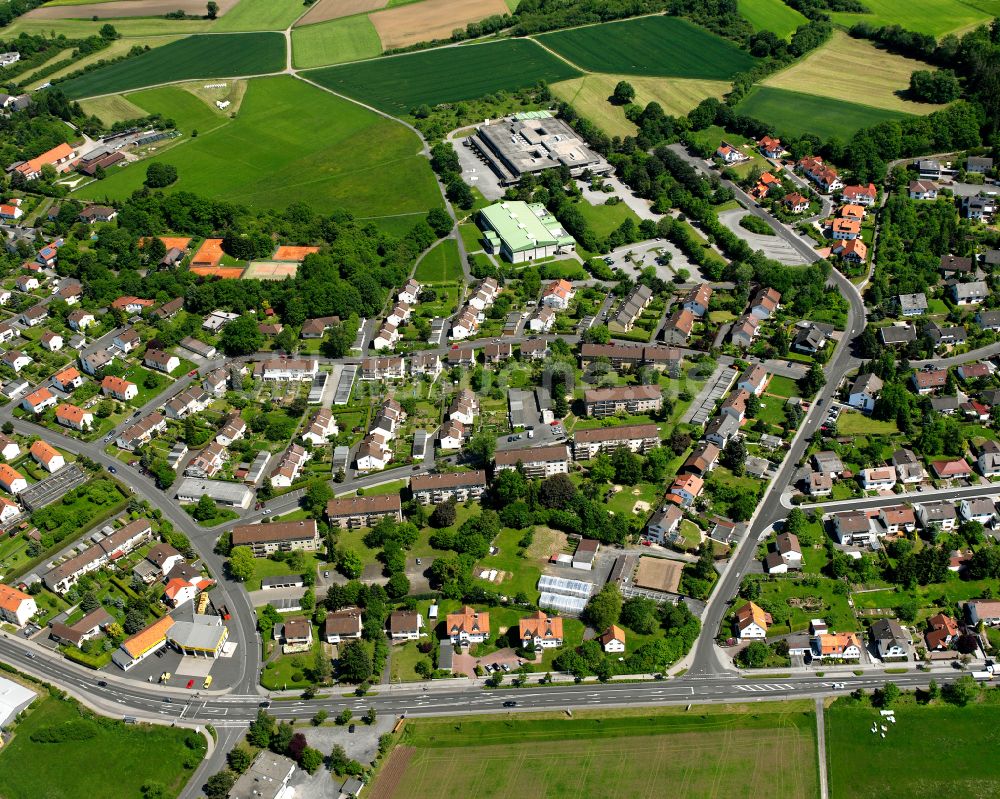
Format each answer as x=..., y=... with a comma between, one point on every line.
x=751, y=622
x=929, y=380
x=541, y=631
x=47, y=456
x=39, y=400
x=698, y=299
x=864, y=392
x=74, y=416
x=558, y=294
x=468, y=626
x=161, y=361
x=119, y=388
x=765, y=303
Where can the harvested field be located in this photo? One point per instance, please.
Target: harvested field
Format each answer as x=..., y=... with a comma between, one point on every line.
x=677, y=96
x=208, y=255
x=325, y=10
x=881, y=83
x=335, y=42
x=444, y=75
x=126, y=8
x=217, y=56
x=291, y=253
x=113, y=108
x=431, y=19
x=711, y=752
x=270, y=270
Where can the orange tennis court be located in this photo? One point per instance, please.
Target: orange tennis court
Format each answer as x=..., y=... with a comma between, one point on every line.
x=289, y=253
x=209, y=254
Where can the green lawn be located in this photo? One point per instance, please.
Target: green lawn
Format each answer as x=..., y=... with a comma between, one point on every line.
x=403, y=659
x=260, y=15
x=862, y=764
x=216, y=56
x=401, y=83
x=521, y=573
x=603, y=219
x=265, y=567
x=334, y=42
x=271, y=156
x=708, y=752
x=770, y=15
x=67, y=770
x=441, y=264
x=187, y=111
x=658, y=45
x=781, y=386
x=808, y=602
x=853, y=423
x=795, y=113
x=472, y=237
x=931, y=598
x=935, y=17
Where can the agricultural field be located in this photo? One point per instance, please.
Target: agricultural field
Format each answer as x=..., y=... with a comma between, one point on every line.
x=260, y=15
x=935, y=17
x=963, y=738
x=661, y=46
x=108, y=9
x=112, y=108
x=334, y=42
x=401, y=83
x=771, y=15
x=65, y=770
x=589, y=96
x=715, y=751
x=882, y=83
x=430, y=19
x=116, y=49
x=441, y=265
x=219, y=56
x=325, y=10
x=187, y=111
x=795, y=113
x=281, y=159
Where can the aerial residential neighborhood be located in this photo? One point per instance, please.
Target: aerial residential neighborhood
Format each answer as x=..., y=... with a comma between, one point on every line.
x=417, y=398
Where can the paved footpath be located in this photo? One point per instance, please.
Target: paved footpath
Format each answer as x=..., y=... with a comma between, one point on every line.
x=824, y=786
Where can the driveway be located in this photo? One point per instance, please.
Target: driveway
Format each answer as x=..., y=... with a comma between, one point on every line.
x=774, y=247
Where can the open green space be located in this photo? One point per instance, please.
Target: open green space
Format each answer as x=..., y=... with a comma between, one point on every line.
x=334, y=42
x=935, y=17
x=188, y=112
x=604, y=219
x=401, y=83
x=849, y=424
x=265, y=567
x=271, y=156
x=961, y=739
x=707, y=752
x=216, y=56
x=665, y=46
x=805, y=599
x=768, y=15
x=795, y=113
x=261, y=15
x=441, y=264
x=126, y=26
x=132, y=755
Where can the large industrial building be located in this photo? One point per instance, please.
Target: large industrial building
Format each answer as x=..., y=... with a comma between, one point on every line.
x=521, y=231
x=530, y=142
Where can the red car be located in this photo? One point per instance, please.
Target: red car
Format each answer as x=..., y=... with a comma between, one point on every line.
x=190, y=683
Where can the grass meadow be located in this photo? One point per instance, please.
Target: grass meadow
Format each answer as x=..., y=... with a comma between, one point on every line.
x=112, y=108
x=260, y=15
x=712, y=752
x=882, y=83
x=935, y=17
x=187, y=111
x=128, y=27
x=271, y=155
x=795, y=113
x=442, y=264
x=769, y=15
x=677, y=96
x=334, y=42
x=961, y=741
x=663, y=46
x=224, y=55
x=113, y=764
x=400, y=83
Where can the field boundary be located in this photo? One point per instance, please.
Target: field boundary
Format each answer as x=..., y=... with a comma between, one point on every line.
x=391, y=774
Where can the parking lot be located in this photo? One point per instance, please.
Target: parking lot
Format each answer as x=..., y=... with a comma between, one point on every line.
x=475, y=172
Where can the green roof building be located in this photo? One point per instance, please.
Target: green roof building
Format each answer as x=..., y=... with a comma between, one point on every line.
x=521, y=231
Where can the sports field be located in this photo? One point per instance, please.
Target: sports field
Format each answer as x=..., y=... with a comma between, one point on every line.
x=935, y=17
x=334, y=42
x=764, y=752
x=224, y=55
x=796, y=113
x=770, y=15
x=932, y=752
x=449, y=74
x=289, y=252
x=430, y=20
x=270, y=270
x=441, y=264
x=260, y=15
x=589, y=96
x=271, y=155
x=884, y=77
x=664, y=46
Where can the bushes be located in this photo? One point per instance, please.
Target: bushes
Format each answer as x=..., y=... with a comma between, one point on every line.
x=76, y=730
x=756, y=225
